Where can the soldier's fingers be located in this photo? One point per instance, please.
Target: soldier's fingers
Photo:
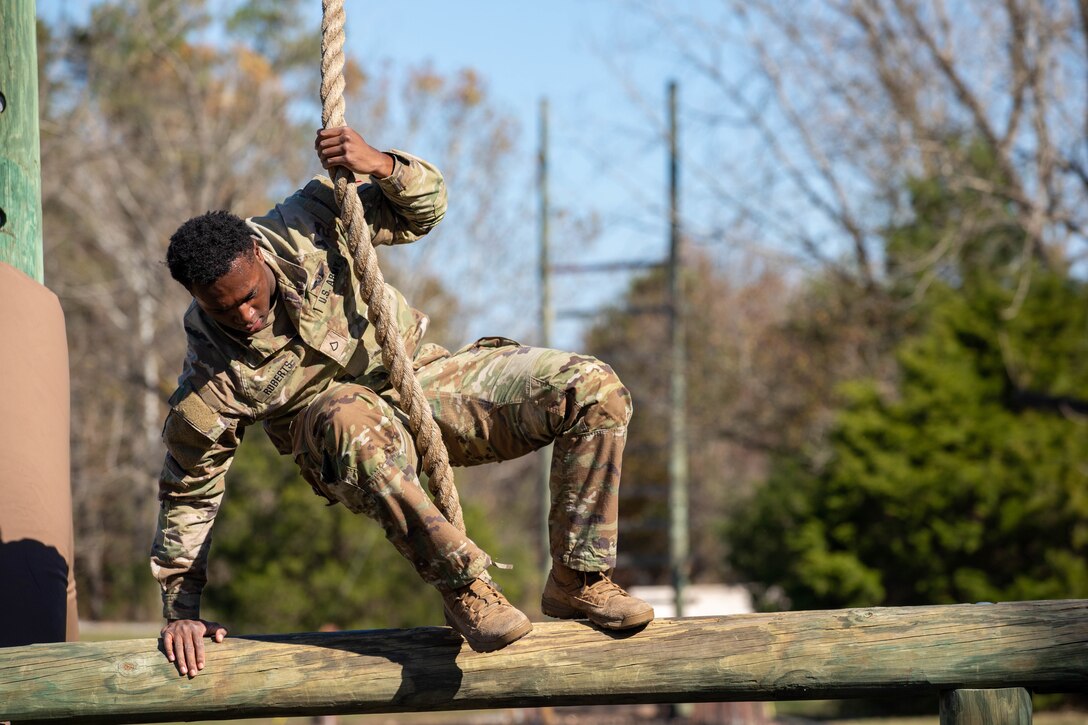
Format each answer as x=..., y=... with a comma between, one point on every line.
x=168, y=645
x=179, y=652
x=326, y=154
x=330, y=142
x=190, y=656
x=199, y=653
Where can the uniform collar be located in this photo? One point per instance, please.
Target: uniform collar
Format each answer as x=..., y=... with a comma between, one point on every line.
x=290, y=283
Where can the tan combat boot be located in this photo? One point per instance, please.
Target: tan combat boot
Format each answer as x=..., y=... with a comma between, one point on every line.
x=571, y=594
x=483, y=616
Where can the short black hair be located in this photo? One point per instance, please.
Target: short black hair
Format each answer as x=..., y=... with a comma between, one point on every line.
x=203, y=249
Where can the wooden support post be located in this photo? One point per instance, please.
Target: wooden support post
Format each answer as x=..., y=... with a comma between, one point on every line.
x=20, y=157
x=37, y=590
x=786, y=656
x=1008, y=706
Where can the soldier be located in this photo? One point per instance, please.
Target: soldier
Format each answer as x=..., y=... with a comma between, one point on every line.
x=277, y=333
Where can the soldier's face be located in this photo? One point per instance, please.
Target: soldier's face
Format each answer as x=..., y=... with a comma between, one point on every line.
x=242, y=297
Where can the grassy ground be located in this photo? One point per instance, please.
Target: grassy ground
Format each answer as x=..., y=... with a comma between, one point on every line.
x=827, y=713
x=105, y=631
x=1039, y=718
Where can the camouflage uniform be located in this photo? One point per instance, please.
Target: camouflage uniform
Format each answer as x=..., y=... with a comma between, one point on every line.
x=314, y=378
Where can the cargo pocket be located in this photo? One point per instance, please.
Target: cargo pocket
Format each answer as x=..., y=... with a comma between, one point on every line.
x=428, y=353
x=311, y=474
x=489, y=342
x=495, y=341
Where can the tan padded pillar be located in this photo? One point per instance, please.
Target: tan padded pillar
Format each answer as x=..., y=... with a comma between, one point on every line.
x=37, y=587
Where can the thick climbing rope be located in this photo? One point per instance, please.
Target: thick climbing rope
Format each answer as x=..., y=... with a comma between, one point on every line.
x=379, y=311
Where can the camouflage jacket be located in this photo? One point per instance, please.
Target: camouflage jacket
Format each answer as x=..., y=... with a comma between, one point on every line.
x=319, y=334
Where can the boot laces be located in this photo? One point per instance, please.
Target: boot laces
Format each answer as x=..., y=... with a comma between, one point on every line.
x=476, y=597
x=603, y=589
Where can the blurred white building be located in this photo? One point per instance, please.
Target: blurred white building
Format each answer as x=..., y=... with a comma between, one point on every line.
x=700, y=600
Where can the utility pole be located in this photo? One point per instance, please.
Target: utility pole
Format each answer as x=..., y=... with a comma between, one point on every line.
x=678, y=452
x=546, y=316
x=20, y=159
x=677, y=521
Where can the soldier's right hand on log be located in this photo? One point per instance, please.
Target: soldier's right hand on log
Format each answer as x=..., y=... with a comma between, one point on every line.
x=183, y=642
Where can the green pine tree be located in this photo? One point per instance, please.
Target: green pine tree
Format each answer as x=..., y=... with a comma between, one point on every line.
x=965, y=481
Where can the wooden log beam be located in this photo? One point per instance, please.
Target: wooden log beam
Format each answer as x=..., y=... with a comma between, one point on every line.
x=792, y=655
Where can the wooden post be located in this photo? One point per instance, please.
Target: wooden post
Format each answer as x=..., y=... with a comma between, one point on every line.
x=749, y=657
x=37, y=588
x=20, y=157
x=1008, y=706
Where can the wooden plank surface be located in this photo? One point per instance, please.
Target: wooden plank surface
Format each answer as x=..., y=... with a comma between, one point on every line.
x=792, y=655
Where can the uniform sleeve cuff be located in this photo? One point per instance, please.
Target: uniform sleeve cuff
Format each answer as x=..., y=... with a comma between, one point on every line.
x=181, y=606
x=403, y=173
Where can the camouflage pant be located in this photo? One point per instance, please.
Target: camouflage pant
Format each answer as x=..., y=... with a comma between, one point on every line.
x=493, y=401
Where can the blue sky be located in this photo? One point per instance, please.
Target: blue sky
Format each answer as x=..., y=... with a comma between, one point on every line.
x=526, y=50
x=605, y=155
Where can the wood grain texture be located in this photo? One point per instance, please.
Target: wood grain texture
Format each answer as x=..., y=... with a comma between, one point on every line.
x=792, y=655
x=20, y=158
x=1009, y=706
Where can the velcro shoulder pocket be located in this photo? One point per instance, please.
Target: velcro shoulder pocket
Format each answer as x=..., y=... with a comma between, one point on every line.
x=201, y=417
x=319, y=199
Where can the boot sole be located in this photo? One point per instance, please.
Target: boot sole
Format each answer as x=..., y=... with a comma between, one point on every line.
x=558, y=610
x=490, y=645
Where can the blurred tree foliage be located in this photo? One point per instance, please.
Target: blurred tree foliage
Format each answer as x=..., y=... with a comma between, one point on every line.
x=144, y=124
x=725, y=322
x=961, y=486
x=766, y=353
x=964, y=479
x=924, y=164
x=919, y=440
